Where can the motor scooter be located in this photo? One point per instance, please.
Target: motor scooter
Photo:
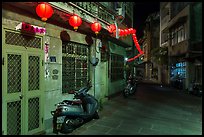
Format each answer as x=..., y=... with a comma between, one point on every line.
x=131, y=87
x=195, y=89
x=70, y=114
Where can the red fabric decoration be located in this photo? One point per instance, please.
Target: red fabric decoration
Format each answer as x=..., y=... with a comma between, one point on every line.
x=44, y=10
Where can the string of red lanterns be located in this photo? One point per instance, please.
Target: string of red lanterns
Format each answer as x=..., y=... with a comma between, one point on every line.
x=125, y=32
x=45, y=11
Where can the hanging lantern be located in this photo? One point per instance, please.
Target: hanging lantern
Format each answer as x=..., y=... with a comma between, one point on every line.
x=96, y=27
x=126, y=32
x=75, y=21
x=133, y=31
x=121, y=32
x=130, y=30
x=44, y=10
x=111, y=28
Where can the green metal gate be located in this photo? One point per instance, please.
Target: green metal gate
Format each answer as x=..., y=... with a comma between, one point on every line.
x=22, y=83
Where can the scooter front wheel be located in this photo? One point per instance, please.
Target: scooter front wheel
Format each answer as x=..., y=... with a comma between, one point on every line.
x=126, y=93
x=67, y=126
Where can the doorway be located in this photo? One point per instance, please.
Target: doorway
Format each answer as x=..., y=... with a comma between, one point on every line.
x=22, y=83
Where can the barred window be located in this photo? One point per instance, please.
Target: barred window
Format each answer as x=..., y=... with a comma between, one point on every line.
x=117, y=67
x=75, y=68
x=181, y=34
x=178, y=34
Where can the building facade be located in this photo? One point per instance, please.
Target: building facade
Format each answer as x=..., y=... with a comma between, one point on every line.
x=149, y=42
x=180, y=31
x=39, y=70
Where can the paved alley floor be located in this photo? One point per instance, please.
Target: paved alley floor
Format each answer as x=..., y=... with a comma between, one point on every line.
x=153, y=110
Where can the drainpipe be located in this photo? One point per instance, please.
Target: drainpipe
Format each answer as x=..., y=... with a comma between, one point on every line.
x=95, y=70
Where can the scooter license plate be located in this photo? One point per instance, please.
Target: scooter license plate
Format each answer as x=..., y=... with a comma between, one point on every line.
x=59, y=126
x=60, y=120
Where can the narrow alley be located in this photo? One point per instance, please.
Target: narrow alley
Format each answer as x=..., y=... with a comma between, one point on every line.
x=165, y=112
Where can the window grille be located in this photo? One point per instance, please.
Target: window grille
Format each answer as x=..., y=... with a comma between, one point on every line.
x=17, y=39
x=14, y=73
x=14, y=118
x=33, y=113
x=33, y=73
x=75, y=68
x=117, y=67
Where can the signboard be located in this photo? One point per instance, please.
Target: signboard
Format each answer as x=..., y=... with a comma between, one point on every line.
x=30, y=28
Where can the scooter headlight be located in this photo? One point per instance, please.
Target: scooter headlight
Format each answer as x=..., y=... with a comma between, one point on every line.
x=64, y=109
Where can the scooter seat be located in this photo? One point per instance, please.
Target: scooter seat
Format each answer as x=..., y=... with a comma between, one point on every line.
x=72, y=101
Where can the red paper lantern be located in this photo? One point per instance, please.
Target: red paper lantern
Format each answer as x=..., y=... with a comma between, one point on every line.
x=44, y=10
x=121, y=32
x=96, y=27
x=126, y=31
x=133, y=31
x=130, y=30
x=111, y=28
x=75, y=21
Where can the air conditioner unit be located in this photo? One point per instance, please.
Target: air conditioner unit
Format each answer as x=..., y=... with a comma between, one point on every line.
x=120, y=13
x=120, y=9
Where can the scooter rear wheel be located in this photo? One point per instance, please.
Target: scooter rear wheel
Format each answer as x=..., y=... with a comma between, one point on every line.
x=96, y=116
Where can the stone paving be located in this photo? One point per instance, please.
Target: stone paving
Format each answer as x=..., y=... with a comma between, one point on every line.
x=153, y=110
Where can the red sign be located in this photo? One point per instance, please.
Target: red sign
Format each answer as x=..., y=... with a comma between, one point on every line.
x=30, y=28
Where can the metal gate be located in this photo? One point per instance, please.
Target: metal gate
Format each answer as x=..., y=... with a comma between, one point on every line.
x=22, y=83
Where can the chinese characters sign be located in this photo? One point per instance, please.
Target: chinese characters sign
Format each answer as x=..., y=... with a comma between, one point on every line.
x=30, y=28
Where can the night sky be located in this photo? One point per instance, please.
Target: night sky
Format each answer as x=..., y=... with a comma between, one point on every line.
x=141, y=12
